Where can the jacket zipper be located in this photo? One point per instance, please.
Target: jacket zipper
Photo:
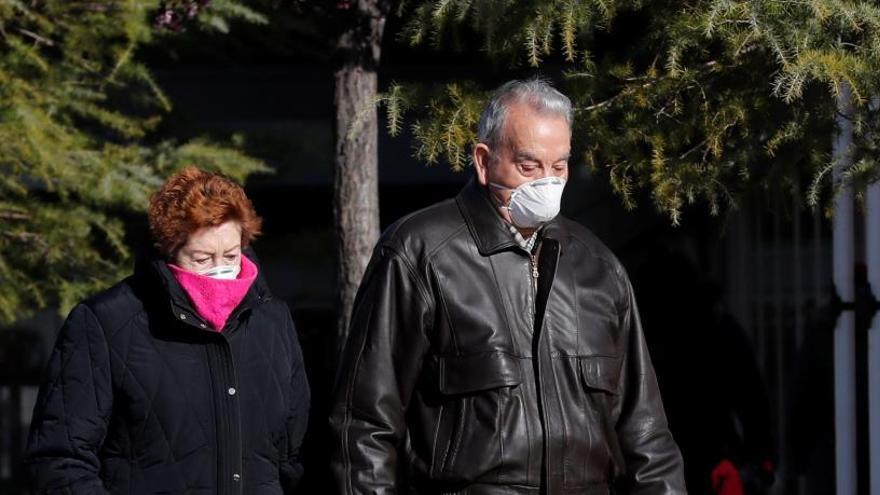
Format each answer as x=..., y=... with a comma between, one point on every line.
x=533, y=264
x=533, y=290
x=537, y=334
x=226, y=408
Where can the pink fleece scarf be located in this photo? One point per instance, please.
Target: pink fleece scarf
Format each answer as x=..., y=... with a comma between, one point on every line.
x=215, y=299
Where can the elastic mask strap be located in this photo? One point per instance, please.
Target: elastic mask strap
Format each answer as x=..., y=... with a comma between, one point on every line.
x=499, y=186
x=495, y=200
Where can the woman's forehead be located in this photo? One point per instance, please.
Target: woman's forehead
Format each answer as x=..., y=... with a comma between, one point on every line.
x=224, y=236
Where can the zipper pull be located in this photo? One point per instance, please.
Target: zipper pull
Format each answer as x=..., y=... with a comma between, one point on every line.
x=534, y=266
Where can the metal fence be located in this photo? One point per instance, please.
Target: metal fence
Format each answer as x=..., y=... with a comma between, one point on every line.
x=777, y=266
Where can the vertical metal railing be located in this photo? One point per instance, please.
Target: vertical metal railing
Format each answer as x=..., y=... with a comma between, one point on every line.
x=784, y=275
x=758, y=297
x=779, y=341
x=872, y=255
x=797, y=270
x=843, y=243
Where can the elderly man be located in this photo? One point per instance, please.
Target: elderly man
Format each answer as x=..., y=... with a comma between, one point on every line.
x=495, y=347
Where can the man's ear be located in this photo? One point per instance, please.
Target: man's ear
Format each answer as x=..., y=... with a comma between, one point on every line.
x=482, y=157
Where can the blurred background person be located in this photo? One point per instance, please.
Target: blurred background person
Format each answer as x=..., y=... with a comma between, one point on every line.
x=186, y=377
x=715, y=397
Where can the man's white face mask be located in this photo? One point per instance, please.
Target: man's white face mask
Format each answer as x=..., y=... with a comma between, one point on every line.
x=222, y=272
x=535, y=202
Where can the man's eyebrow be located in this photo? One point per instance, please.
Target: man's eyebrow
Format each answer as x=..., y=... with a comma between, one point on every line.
x=525, y=155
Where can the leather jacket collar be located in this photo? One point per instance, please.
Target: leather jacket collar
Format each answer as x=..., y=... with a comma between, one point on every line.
x=487, y=227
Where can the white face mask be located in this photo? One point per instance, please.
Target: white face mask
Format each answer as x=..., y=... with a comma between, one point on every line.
x=535, y=202
x=222, y=272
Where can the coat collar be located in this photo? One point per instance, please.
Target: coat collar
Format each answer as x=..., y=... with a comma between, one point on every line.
x=159, y=283
x=486, y=226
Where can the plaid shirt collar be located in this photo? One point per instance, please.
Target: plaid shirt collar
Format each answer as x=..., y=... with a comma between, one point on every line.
x=527, y=244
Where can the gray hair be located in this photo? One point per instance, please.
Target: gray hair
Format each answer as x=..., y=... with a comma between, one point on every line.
x=536, y=93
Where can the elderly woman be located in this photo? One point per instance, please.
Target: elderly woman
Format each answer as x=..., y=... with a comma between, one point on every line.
x=185, y=377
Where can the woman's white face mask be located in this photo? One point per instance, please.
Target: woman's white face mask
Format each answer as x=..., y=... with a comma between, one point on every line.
x=535, y=202
x=222, y=272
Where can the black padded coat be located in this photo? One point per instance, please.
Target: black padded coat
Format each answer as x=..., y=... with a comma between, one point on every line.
x=142, y=398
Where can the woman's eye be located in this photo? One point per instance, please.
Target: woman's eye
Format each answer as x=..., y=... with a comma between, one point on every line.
x=231, y=256
x=202, y=260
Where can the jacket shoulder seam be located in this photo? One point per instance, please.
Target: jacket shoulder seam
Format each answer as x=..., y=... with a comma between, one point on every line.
x=411, y=271
x=112, y=330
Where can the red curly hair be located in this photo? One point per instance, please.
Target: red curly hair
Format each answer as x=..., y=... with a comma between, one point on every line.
x=192, y=199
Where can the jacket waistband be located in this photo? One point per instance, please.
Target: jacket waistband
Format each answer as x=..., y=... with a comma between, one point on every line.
x=497, y=489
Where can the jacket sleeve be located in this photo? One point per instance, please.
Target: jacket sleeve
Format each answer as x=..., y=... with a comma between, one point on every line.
x=653, y=461
x=380, y=365
x=297, y=418
x=72, y=411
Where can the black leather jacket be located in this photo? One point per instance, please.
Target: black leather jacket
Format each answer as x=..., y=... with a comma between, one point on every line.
x=464, y=372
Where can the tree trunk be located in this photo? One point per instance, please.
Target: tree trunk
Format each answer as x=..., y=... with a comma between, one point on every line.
x=355, y=187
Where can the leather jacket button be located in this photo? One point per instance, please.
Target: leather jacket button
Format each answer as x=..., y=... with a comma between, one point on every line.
x=231, y=391
x=236, y=477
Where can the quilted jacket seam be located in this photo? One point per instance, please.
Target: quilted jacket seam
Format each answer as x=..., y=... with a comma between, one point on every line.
x=151, y=415
x=91, y=367
x=64, y=396
x=167, y=367
x=109, y=332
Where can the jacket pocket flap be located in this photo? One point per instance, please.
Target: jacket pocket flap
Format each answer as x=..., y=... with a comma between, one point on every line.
x=600, y=372
x=477, y=372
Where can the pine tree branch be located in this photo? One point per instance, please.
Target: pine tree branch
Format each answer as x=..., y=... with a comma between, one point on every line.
x=27, y=237
x=624, y=92
x=96, y=7
x=36, y=37
x=649, y=82
x=12, y=215
x=695, y=148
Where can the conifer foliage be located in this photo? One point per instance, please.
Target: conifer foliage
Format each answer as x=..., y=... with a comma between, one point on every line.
x=79, y=150
x=693, y=100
